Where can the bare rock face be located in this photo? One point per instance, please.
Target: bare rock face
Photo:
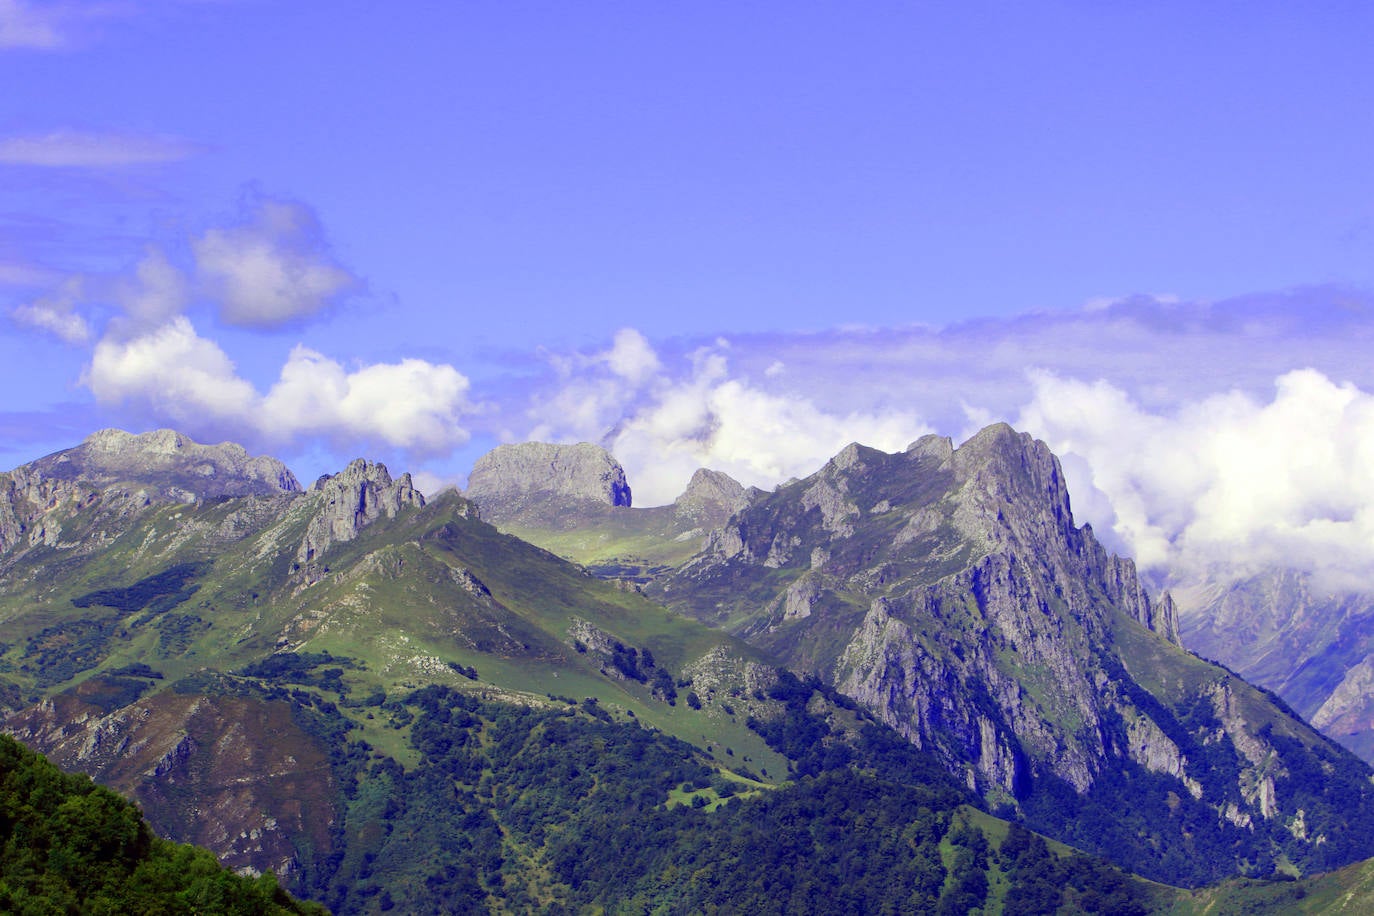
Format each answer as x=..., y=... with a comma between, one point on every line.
x=261, y=784
x=169, y=463
x=346, y=503
x=949, y=592
x=710, y=499
x=119, y=474
x=512, y=481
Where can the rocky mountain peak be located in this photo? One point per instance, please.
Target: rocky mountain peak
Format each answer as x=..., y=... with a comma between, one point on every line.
x=346, y=503
x=711, y=498
x=167, y=464
x=965, y=558
x=941, y=448
x=117, y=475
x=519, y=478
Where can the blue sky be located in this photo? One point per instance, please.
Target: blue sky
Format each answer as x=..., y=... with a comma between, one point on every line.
x=736, y=234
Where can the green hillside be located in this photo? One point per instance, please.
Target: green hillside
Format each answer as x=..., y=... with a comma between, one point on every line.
x=393, y=706
x=70, y=846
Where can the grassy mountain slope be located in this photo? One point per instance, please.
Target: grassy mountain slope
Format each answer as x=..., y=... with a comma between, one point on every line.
x=949, y=592
x=392, y=704
x=250, y=656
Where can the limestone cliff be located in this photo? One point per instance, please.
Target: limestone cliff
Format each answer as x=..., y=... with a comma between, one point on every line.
x=513, y=481
x=949, y=592
x=343, y=504
x=113, y=476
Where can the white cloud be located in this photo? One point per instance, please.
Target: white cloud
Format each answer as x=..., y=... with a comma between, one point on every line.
x=82, y=149
x=412, y=404
x=156, y=293
x=178, y=373
x=24, y=25
x=1223, y=479
x=1191, y=433
x=632, y=357
x=663, y=426
x=56, y=314
x=184, y=378
x=273, y=269
x=758, y=437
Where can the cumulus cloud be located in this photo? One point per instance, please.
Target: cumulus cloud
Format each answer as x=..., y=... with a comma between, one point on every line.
x=1237, y=432
x=274, y=268
x=631, y=357
x=57, y=314
x=175, y=374
x=412, y=404
x=178, y=373
x=156, y=293
x=758, y=437
x=663, y=423
x=1222, y=479
x=150, y=297
x=85, y=149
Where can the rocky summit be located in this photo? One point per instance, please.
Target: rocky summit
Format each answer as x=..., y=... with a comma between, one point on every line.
x=514, y=481
x=170, y=463
x=115, y=475
x=949, y=592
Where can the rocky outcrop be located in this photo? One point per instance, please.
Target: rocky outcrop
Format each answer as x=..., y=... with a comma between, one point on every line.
x=115, y=476
x=168, y=464
x=515, y=480
x=344, y=504
x=950, y=593
x=710, y=499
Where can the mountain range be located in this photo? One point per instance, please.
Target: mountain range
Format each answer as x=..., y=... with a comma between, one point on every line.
x=302, y=680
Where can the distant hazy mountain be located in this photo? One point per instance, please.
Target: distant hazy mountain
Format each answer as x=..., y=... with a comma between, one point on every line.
x=1311, y=646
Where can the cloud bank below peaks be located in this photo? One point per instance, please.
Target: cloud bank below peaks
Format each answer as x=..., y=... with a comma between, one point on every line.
x=663, y=419
x=1235, y=433
x=1224, y=479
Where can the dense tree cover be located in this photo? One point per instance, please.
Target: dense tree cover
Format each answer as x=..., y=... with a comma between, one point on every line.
x=1042, y=882
x=70, y=846
x=565, y=810
x=156, y=593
